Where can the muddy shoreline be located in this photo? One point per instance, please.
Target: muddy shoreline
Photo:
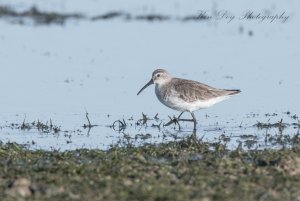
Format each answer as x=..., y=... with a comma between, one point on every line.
x=184, y=170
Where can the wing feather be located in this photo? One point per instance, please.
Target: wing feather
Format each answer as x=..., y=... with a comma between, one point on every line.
x=190, y=91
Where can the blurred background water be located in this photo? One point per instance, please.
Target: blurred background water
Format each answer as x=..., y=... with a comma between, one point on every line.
x=59, y=72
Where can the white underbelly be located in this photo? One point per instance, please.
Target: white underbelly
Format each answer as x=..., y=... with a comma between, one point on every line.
x=181, y=105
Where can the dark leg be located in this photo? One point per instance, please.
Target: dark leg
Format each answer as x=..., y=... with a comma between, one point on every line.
x=195, y=120
x=180, y=115
x=174, y=120
x=178, y=118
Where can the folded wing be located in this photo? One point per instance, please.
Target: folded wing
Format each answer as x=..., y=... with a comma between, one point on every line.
x=190, y=91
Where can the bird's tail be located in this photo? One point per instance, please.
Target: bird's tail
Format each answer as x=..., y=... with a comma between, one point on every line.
x=233, y=91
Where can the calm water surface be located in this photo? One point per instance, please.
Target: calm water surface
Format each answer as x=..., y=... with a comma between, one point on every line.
x=60, y=72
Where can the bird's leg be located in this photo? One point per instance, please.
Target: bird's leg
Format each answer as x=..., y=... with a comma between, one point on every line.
x=180, y=115
x=195, y=120
x=175, y=121
x=172, y=121
x=178, y=118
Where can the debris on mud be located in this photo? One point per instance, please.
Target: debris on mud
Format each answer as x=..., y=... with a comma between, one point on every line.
x=45, y=18
x=47, y=127
x=111, y=15
x=182, y=170
x=278, y=124
x=39, y=17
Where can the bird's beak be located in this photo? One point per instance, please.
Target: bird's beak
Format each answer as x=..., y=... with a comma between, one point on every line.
x=144, y=87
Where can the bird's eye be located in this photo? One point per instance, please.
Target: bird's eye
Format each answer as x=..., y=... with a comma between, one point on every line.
x=158, y=75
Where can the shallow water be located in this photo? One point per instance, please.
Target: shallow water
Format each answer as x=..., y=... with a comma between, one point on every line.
x=60, y=72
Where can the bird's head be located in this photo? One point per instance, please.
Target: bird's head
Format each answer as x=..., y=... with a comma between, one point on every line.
x=159, y=77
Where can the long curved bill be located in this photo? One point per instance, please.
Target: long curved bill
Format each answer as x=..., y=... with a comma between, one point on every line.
x=144, y=87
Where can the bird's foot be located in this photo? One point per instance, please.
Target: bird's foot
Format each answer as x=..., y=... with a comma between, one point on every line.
x=176, y=121
x=173, y=120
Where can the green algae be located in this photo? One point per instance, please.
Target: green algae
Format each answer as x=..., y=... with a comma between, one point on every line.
x=183, y=170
